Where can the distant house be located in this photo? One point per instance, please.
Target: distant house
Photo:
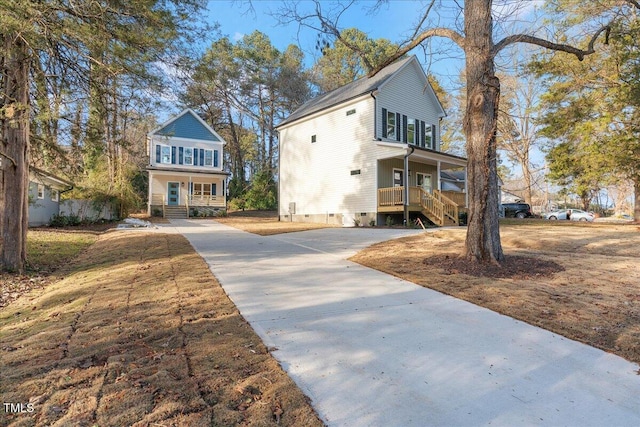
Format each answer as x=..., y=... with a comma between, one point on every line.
x=186, y=171
x=368, y=151
x=44, y=196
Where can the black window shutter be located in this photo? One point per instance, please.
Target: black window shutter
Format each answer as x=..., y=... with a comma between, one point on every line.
x=201, y=157
x=195, y=157
x=433, y=136
x=404, y=128
x=158, y=153
x=214, y=189
x=215, y=159
x=422, y=133
x=384, y=122
x=398, y=127
x=173, y=155
x=180, y=155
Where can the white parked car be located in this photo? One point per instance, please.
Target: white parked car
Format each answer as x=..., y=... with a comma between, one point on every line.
x=573, y=215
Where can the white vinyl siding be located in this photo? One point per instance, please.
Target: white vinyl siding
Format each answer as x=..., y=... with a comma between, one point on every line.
x=327, y=185
x=406, y=94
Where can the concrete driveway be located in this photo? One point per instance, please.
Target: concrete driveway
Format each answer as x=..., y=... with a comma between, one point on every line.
x=370, y=349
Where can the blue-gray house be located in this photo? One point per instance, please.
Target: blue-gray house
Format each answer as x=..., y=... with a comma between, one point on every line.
x=186, y=170
x=44, y=196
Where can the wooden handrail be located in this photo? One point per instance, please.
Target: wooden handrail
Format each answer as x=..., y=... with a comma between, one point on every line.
x=214, y=201
x=437, y=205
x=450, y=207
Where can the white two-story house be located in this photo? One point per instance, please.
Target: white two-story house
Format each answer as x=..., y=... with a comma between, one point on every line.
x=186, y=173
x=369, y=152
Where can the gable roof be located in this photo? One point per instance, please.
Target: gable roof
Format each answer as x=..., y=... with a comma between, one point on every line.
x=189, y=125
x=43, y=177
x=350, y=91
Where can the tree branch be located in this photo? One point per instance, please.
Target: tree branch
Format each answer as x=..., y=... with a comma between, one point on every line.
x=433, y=32
x=524, y=38
x=635, y=3
x=8, y=158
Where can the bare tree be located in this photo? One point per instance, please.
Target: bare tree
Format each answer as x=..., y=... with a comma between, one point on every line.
x=482, y=99
x=517, y=129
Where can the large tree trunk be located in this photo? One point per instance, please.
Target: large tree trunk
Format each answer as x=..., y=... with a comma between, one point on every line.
x=480, y=124
x=14, y=201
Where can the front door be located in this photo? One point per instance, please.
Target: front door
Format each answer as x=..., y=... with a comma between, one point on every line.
x=173, y=193
x=424, y=181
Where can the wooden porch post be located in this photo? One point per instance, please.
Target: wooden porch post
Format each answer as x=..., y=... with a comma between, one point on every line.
x=150, y=193
x=406, y=185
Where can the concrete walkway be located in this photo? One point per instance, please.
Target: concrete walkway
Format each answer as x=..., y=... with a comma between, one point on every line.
x=370, y=349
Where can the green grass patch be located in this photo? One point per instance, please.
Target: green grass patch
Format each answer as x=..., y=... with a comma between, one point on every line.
x=48, y=250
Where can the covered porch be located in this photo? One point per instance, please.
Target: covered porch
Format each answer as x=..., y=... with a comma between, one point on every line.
x=413, y=180
x=186, y=194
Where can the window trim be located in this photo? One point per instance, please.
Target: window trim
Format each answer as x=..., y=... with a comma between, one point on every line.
x=185, y=157
x=201, y=193
x=428, y=137
x=411, y=131
x=208, y=158
x=55, y=195
x=163, y=154
x=391, y=125
x=40, y=191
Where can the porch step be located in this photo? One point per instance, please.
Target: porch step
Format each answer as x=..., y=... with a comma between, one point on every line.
x=175, y=212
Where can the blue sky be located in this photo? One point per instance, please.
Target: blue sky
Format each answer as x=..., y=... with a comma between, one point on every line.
x=392, y=21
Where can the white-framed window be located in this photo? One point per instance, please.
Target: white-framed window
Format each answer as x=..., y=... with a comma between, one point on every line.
x=201, y=189
x=55, y=195
x=208, y=157
x=411, y=131
x=165, y=154
x=40, y=191
x=391, y=125
x=188, y=156
x=428, y=137
x=424, y=181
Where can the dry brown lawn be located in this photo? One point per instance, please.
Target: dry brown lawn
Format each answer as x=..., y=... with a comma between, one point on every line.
x=139, y=333
x=581, y=281
x=266, y=223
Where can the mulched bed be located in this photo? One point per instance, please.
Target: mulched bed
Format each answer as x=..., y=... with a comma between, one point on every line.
x=513, y=267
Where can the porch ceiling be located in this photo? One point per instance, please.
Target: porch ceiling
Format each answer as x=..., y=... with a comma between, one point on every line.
x=421, y=155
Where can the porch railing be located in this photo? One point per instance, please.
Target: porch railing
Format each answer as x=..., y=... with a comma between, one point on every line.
x=394, y=196
x=450, y=207
x=457, y=197
x=437, y=207
x=210, y=201
x=158, y=199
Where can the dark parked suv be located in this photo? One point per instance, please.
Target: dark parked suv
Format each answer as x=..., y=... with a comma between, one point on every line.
x=516, y=210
